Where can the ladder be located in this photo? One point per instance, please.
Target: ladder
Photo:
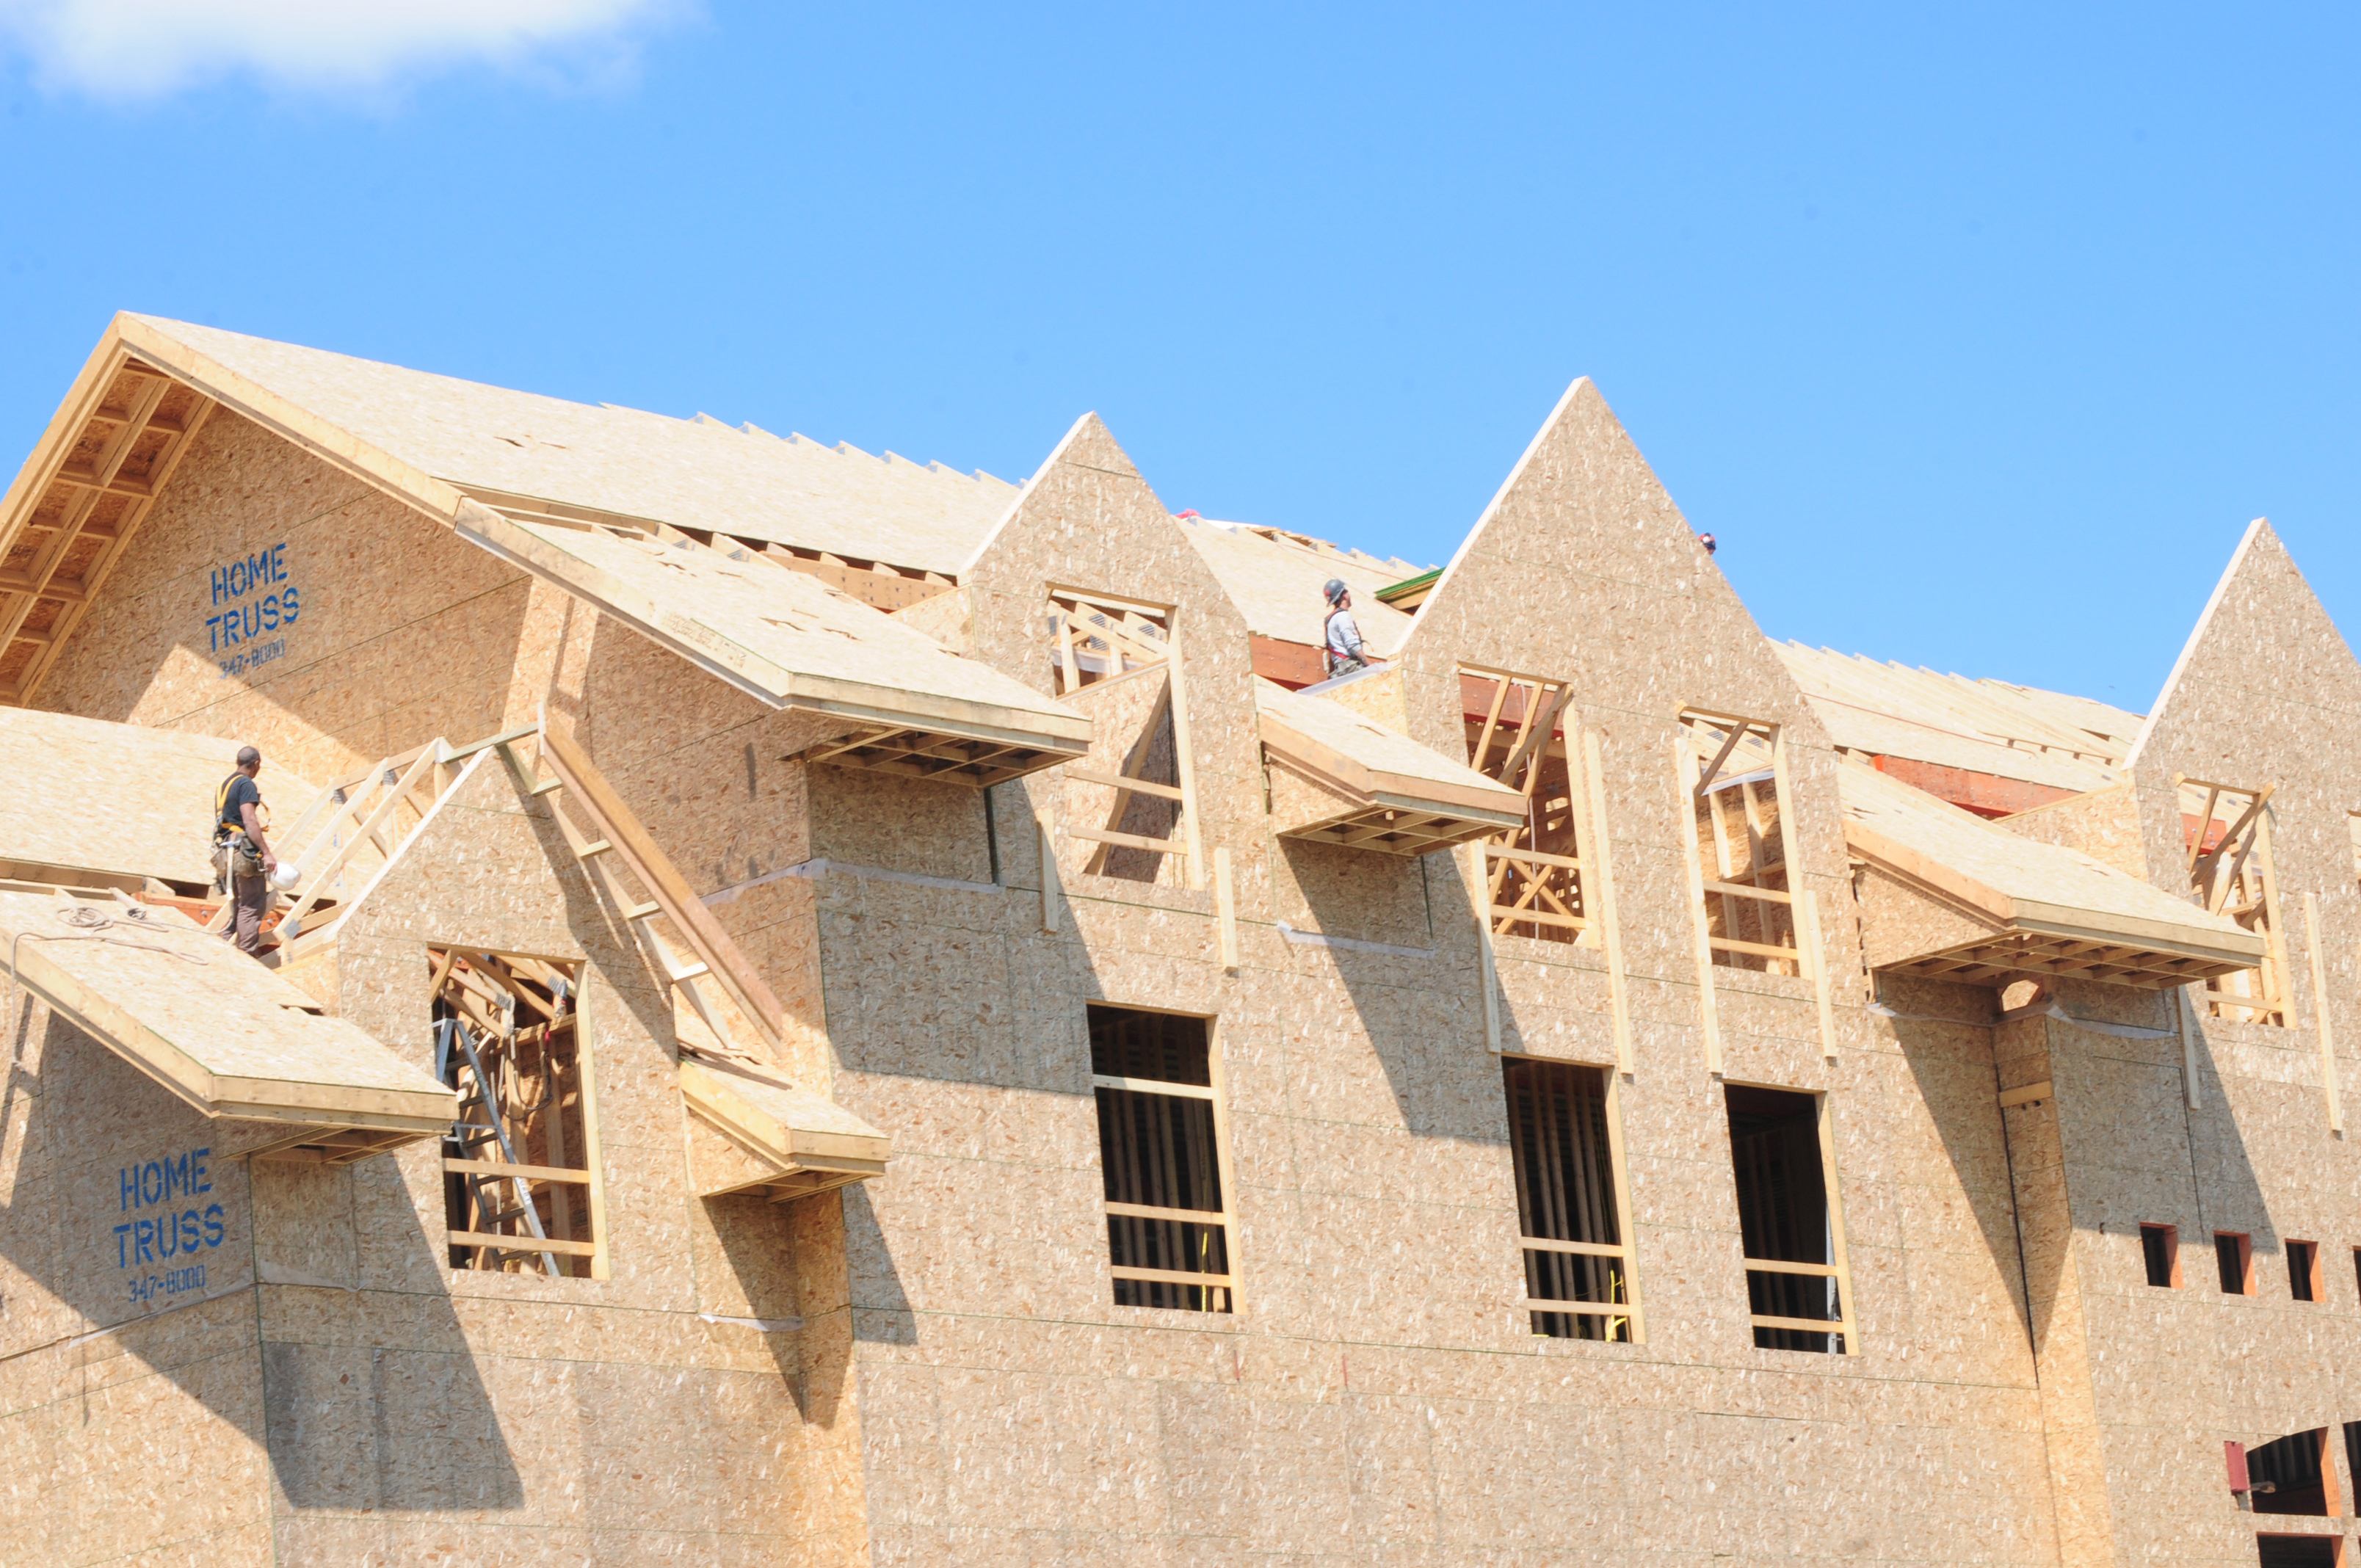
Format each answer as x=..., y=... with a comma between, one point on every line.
x=687, y=945
x=478, y=1124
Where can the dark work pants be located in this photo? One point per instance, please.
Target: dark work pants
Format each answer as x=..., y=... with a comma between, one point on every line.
x=252, y=897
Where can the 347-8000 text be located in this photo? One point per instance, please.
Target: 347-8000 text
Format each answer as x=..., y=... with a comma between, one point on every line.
x=170, y=1282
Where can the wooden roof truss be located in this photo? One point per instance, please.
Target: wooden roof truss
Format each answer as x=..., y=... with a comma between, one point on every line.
x=1533, y=876
x=2014, y=953
x=684, y=941
x=88, y=487
x=1733, y=769
x=2225, y=834
x=353, y=833
x=1098, y=637
x=730, y=1023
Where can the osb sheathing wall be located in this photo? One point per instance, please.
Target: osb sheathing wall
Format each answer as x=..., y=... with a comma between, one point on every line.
x=131, y=1396
x=2262, y=695
x=647, y=1415
x=363, y=1402
x=1378, y=1390
x=403, y=632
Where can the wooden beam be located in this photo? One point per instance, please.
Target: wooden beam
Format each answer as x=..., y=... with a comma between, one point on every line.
x=621, y=827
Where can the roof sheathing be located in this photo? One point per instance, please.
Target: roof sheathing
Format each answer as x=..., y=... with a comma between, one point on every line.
x=694, y=473
x=92, y=800
x=1276, y=584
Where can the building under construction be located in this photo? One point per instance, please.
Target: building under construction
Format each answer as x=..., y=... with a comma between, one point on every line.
x=834, y=1011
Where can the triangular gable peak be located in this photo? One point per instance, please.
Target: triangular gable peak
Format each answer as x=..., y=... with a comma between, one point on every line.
x=2263, y=695
x=1083, y=588
x=1086, y=519
x=1582, y=569
x=745, y=609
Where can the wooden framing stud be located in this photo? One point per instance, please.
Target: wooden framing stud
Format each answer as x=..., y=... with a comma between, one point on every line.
x=2328, y=1085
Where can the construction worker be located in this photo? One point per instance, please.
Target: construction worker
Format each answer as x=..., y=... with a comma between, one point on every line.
x=1341, y=632
x=243, y=860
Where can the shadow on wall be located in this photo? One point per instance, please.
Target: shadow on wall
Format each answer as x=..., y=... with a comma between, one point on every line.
x=94, y=1149
x=401, y=1428
x=1427, y=1031
x=881, y=1310
x=2119, y=1150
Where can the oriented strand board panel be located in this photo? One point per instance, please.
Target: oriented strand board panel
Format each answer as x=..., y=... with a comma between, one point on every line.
x=780, y=634
x=1376, y=774
x=215, y=1027
x=791, y=1129
x=691, y=473
x=1276, y=584
x=87, y=796
x=2022, y=881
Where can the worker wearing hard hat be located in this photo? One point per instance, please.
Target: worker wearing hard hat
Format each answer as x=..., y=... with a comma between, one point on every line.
x=1341, y=632
x=243, y=860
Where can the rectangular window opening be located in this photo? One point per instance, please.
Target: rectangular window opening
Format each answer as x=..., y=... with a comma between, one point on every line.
x=2226, y=833
x=1095, y=637
x=2160, y=1248
x=519, y=1178
x=1161, y=1149
x=1797, y=1290
x=2304, y=1271
x=1731, y=770
x=1518, y=734
x=2234, y=1262
x=1569, y=1206
x=2299, y=1551
x=2294, y=1474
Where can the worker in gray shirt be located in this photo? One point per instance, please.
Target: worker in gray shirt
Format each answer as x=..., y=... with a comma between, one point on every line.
x=1342, y=633
x=242, y=853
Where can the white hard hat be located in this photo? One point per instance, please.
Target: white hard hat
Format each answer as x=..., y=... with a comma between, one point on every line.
x=285, y=875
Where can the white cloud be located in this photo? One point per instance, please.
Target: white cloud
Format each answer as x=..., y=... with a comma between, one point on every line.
x=136, y=49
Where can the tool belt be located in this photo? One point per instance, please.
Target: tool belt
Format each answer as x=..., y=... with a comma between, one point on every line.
x=234, y=855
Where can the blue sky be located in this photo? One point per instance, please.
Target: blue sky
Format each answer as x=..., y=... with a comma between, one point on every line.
x=1976, y=340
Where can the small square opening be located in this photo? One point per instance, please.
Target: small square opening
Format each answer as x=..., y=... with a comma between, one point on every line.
x=2160, y=1249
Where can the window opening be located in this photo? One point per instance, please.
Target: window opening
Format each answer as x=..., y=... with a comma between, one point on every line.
x=1097, y=637
x=1797, y=1291
x=2234, y=1262
x=519, y=1185
x=1516, y=736
x=1161, y=1149
x=2228, y=835
x=1141, y=799
x=2304, y=1271
x=1732, y=770
x=2294, y=1474
x=2300, y=1551
x=2160, y=1248
x=1570, y=1211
